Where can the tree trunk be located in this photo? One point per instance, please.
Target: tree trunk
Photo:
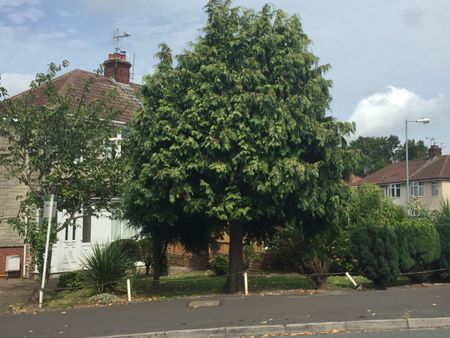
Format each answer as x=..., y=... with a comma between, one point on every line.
x=147, y=269
x=159, y=252
x=235, y=280
x=49, y=263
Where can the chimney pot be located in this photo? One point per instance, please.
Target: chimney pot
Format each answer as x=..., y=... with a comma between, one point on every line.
x=434, y=151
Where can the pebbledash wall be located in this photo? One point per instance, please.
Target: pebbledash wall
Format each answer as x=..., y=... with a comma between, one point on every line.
x=10, y=242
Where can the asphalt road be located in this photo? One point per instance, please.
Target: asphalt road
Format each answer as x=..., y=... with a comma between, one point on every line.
x=233, y=311
x=431, y=333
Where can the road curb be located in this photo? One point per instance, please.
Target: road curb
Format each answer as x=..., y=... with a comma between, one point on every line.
x=280, y=329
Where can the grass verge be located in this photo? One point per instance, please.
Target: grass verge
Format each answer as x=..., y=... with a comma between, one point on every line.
x=198, y=283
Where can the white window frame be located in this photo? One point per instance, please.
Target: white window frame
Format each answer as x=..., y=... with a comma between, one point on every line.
x=435, y=188
x=395, y=190
x=392, y=190
x=114, y=147
x=417, y=189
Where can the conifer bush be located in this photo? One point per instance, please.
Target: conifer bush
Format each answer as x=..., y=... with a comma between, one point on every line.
x=375, y=249
x=419, y=246
x=443, y=228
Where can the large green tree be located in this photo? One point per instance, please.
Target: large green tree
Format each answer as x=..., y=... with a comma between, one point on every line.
x=56, y=144
x=378, y=152
x=236, y=136
x=417, y=150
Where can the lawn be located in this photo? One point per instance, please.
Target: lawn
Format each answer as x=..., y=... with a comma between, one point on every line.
x=198, y=283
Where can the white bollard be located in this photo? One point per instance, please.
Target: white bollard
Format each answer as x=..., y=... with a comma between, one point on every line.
x=246, y=283
x=351, y=279
x=129, y=289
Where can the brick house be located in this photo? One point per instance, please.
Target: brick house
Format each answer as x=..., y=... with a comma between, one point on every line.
x=71, y=244
x=429, y=180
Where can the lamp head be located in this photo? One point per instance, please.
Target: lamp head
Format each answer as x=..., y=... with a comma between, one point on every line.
x=423, y=120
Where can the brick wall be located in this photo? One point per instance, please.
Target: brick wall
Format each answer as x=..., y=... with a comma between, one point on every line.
x=11, y=251
x=9, y=206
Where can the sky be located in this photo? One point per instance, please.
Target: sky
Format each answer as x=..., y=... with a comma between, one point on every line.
x=390, y=59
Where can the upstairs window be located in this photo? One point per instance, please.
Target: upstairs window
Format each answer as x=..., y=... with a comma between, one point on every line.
x=114, y=146
x=417, y=189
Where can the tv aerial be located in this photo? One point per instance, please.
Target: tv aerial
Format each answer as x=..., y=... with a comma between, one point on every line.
x=117, y=37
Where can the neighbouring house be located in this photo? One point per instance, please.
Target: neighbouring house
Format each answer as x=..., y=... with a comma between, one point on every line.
x=74, y=242
x=429, y=180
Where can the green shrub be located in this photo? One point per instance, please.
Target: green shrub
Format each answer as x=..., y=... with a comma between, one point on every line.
x=419, y=246
x=289, y=250
x=443, y=228
x=375, y=248
x=130, y=248
x=444, y=236
x=106, y=267
x=219, y=265
x=70, y=280
x=283, y=251
x=250, y=256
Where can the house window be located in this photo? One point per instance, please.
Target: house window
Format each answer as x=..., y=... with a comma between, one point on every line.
x=394, y=190
x=114, y=145
x=417, y=189
x=434, y=188
x=86, y=229
x=70, y=230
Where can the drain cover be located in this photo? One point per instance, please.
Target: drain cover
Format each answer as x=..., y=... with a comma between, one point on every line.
x=203, y=303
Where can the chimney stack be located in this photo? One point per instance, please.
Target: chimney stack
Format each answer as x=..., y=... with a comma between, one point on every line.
x=117, y=67
x=434, y=151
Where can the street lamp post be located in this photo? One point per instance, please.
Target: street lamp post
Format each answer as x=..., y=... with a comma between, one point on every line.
x=421, y=120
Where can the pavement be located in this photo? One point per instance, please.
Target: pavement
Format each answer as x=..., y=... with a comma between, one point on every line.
x=14, y=291
x=237, y=315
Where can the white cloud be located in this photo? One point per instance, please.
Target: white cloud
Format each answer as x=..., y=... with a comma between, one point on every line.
x=15, y=82
x=385, y=112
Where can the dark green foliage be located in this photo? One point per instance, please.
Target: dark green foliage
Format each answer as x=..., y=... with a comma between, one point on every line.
x=376, y=153
x=236, y=135
x=375, y=248
x=284, y=250
x=367, y=205
x=290, y=250
x=130, y=248
x=105, y=267
x=219, y=265
x=70, y=280
x=419, y=245
x=417, y=150
x=443, y=228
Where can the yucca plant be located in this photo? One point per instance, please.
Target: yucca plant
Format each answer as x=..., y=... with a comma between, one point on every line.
x=105, y=267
